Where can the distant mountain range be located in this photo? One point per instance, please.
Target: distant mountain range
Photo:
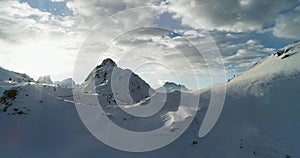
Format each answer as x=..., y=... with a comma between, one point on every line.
x=260, y=117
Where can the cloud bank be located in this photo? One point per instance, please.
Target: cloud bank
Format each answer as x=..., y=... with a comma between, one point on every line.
x=36, y=40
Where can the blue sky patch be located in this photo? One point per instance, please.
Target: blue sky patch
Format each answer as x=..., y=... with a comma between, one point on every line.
x=55, y=8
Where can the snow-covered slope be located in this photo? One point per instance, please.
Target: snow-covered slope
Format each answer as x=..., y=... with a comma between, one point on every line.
x=9, y=79
x=260, y=117
x=6, y=75
x=284, y=63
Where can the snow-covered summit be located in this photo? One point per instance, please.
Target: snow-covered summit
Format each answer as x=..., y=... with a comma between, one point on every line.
x=107, y=63
x=67, y=83
x=45, y=80
x=171, y=86
x=113, y=82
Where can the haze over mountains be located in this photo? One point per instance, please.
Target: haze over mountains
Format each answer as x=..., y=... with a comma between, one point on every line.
x=260, y=117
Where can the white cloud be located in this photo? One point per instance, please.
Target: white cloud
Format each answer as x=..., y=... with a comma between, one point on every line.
x=246, y=54
x=233, y=15
x=251, y=42
x=245, y=3
x=34, y=35
x=288, y=24
x=92, y=12
x=36, y=42
x=57, y=0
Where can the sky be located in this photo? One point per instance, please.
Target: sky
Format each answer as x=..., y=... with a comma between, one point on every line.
x=44, y=37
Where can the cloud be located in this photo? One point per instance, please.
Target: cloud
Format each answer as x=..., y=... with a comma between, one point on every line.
x=155, y=44
x=35, y=33
x=229, y=15
x=57, y=0
x=92, y=12
x=36, y=42
x=287, y=25
x=245, y=55
x=19, y=21
x=233, y=15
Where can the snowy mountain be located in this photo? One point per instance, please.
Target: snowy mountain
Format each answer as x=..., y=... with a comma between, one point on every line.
x=282, y=64
x=107, y=79
x=45, y=80
x=67, y=83
x=6, y=75
x=9, y=79
x=171, y=86
x=260, y=117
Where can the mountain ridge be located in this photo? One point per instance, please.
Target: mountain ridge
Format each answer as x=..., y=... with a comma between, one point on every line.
x=260, y=117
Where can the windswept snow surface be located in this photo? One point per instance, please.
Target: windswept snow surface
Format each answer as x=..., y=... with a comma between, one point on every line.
x=260, y=117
